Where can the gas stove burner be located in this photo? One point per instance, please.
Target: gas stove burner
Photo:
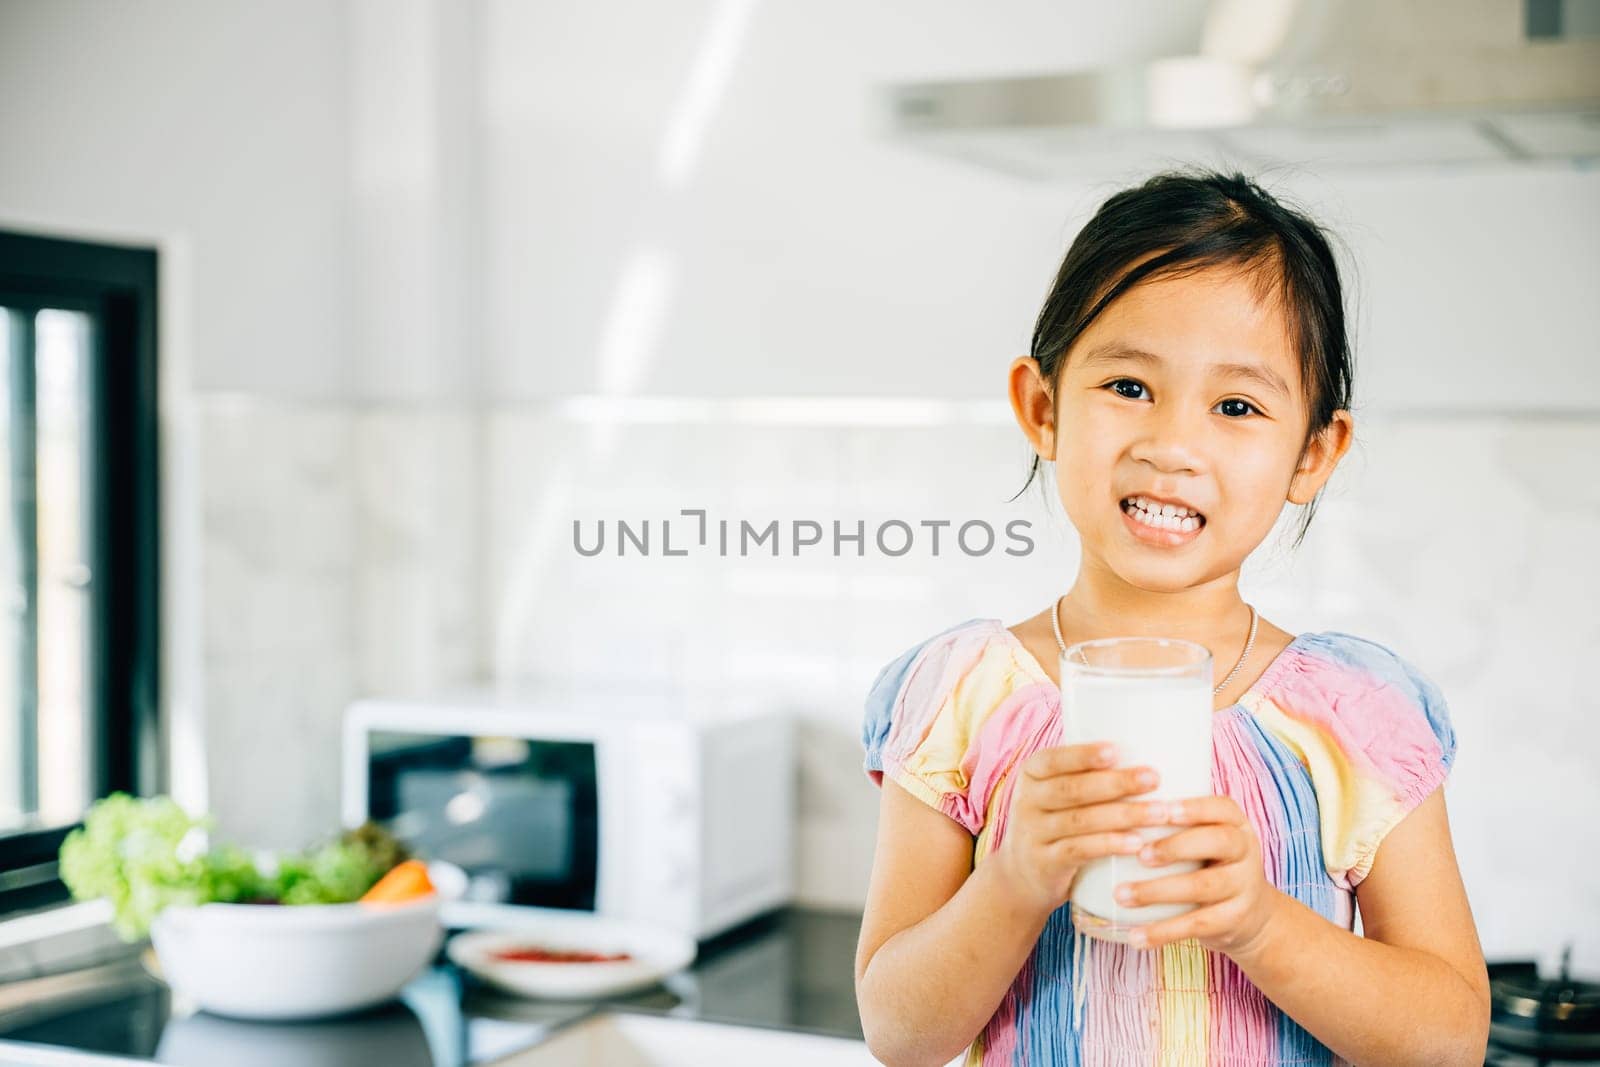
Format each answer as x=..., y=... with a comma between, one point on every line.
x=1544, y=1017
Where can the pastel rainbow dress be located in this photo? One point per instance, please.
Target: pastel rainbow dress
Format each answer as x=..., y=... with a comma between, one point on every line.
x=1335, y=743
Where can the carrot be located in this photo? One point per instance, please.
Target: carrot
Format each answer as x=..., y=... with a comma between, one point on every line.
x=405, y=881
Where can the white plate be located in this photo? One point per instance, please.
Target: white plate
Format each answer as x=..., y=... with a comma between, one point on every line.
x=655, y=952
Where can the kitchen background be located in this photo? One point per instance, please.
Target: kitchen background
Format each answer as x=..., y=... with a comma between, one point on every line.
x=438, y=278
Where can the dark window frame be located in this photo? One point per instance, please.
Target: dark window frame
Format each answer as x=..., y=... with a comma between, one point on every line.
x=116, y=286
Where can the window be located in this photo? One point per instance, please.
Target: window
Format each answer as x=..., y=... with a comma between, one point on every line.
x=78, y=545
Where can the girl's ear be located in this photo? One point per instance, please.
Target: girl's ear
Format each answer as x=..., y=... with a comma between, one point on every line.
x=1321, y=456
x=1033, y=405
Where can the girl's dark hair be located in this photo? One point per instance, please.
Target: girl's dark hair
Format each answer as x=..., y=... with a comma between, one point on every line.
x=1182, y=222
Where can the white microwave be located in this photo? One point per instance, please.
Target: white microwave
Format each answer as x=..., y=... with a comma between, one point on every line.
x=557, y=802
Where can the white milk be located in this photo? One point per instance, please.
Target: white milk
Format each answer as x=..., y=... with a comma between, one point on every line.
x=1163, y=723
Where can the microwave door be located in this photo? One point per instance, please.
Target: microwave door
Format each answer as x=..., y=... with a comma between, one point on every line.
x=517, y=814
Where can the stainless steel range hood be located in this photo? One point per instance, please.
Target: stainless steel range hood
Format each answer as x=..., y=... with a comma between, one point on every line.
x=1313, y=82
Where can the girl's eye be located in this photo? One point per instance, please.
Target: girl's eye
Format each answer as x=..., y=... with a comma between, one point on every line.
x=1234, y=413
x=1119, y=392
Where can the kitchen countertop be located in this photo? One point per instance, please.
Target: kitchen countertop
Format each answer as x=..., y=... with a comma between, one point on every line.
x=792, y=970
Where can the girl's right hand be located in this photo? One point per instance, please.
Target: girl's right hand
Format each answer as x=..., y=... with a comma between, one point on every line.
x=1067, y=808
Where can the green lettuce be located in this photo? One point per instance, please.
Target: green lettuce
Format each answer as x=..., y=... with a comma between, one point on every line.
x=146, y=854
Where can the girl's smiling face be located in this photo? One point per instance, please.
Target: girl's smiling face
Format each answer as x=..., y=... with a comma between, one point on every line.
x=1187, y=389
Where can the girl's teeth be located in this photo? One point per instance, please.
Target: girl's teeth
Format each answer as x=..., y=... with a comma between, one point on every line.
x=1165, y=519
x=1152, y=508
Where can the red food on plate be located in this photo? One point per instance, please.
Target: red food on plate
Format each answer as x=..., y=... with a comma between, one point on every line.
x=539, y=954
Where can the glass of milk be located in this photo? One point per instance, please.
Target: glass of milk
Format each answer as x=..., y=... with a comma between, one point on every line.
x=1151, y=697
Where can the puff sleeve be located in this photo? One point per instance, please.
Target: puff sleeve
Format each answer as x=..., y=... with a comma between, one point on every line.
x=945, y=718
x=1375, y=734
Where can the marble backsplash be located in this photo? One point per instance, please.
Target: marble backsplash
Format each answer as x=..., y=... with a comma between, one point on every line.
x=354, y=550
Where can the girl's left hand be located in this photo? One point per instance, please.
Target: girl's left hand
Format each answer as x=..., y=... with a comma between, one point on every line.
x=1234, y=900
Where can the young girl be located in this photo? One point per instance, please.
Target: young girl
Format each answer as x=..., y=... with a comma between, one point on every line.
x=1189, y=373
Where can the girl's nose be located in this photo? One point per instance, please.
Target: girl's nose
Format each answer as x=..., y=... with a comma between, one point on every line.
x=1169, y=441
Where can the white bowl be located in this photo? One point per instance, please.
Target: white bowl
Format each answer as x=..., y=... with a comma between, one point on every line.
x=656, y=952
x=302, y=961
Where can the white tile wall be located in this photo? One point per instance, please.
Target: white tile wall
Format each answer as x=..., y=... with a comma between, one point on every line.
x=277, y=613
x=369, y=550
x=419, y=552
x=340, y=556
x=1427, y=539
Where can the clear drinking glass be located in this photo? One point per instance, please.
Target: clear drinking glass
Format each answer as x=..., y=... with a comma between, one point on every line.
x=1151, y=697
